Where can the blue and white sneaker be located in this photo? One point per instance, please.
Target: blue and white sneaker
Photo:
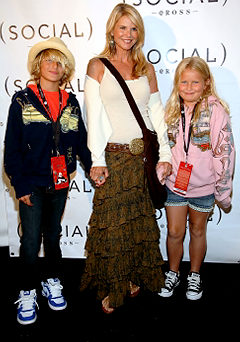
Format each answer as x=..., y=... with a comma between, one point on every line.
x=27, y=302
x=52, y=289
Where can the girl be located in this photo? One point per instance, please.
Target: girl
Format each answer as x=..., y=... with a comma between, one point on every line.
x=202, y=147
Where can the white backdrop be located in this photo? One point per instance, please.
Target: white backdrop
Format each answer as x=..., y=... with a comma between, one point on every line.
x=174, y=29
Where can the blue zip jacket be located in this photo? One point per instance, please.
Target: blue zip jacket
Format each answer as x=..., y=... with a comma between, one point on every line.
x=29, y=143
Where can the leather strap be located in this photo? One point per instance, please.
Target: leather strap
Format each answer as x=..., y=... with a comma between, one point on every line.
x=114, y=147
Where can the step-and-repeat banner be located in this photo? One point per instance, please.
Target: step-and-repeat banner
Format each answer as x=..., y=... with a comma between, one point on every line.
x=174, y=29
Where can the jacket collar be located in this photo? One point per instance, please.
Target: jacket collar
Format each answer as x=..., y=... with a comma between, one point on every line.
x=31, y=96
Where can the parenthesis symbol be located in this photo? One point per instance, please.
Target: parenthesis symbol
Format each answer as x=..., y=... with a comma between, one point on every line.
x=1, y=32
x=90, y=24
x=6, y=86
x=224, y=54
x=220, y=215
x=19, y=230
x=225, y=3
x=160, y=214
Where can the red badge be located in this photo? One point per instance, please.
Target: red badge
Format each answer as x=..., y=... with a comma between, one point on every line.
x=59, y=170
x=183, y=177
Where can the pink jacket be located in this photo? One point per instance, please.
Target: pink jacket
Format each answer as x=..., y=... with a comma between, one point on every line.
x=211, y=152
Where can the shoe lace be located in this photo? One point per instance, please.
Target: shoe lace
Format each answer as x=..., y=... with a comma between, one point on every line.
x=193, y=283
x=27, y=302
x=170, y=281
x=55, y=289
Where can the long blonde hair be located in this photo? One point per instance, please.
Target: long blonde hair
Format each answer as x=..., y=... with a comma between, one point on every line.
x=140, y=65
x=173, y=104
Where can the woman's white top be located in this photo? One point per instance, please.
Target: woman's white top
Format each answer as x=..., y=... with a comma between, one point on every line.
x=122, y=120
x=110, y=118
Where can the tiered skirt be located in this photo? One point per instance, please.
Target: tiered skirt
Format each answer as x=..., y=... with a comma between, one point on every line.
x=123, y=238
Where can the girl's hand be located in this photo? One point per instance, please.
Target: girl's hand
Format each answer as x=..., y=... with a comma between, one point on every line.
x=163, y=169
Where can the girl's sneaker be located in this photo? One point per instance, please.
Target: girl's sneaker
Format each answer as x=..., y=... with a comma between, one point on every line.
x=171, y=282
x=194, y=287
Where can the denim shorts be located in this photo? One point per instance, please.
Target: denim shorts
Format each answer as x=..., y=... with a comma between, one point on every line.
x=204, y=203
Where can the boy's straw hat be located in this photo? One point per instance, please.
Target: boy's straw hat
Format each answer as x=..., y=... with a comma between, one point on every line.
x=52, y=43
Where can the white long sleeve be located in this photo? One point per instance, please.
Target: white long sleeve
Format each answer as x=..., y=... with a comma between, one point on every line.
x=98, y=125
x=156, y=113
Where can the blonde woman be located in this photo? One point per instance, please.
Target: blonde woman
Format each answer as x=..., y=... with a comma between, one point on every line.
x=45, y=132
x=201, y=140
x=123, y=242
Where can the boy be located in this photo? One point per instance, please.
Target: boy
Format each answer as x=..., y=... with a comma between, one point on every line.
x=44, y=134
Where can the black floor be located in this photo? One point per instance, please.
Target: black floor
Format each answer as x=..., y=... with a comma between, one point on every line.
x=147, y=317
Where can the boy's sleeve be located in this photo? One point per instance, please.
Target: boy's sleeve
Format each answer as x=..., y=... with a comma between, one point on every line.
x=13, y=151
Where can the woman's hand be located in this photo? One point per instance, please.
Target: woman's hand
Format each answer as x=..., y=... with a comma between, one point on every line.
x=99, y=175
x=26, y=199
x=163, y=169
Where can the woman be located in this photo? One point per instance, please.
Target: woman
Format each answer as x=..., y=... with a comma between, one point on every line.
x=201, y=139
x=44, y=134
x=123, y=242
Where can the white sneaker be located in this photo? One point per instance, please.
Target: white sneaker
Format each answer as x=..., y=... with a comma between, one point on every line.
x=52, y=289
x=194, y=287
x=171, y=282
x=26, y=312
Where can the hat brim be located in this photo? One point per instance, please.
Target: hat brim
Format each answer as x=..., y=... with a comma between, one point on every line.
x=37, y=48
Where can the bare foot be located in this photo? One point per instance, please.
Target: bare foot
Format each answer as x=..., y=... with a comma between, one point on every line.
x=134, y=290
x=105, y=306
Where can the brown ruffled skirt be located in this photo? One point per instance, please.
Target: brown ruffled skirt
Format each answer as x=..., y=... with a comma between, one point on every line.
x=123, y=239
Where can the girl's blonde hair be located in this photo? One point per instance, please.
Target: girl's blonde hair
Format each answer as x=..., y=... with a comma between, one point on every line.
x=140, y=64
x=58, y=57
x=173, y=103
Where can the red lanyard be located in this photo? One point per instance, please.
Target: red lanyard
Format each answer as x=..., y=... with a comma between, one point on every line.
x=45, y=103
x=55, y=125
